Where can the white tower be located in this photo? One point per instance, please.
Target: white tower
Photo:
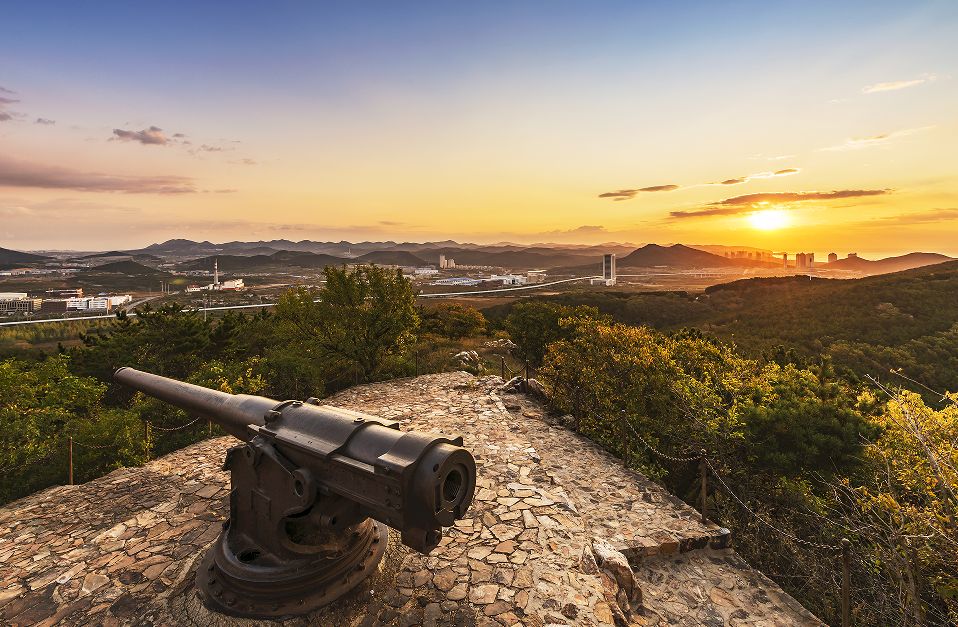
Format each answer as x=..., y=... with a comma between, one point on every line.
x=608, y=268
x=216, y=273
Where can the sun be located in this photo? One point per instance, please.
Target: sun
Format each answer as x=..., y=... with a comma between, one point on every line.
x=768, y=219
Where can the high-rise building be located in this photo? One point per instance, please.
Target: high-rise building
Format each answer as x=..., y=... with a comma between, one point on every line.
x=785, y=260
x=811, y=260
x=801, y=261
x=608, y=271
x=442, y=261
x=832, y=257
x=608, y=268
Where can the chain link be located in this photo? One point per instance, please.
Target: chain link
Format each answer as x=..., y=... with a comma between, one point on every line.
x=53, y=453
x=786, y=534
x=189, y=424
x=92, y=446
x=652, y=448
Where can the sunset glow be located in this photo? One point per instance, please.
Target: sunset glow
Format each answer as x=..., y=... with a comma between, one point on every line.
x=485, y=122
x=768, y=219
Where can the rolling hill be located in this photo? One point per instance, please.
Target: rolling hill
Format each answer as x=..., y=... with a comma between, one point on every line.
x=391, y=258
x=280, y=260
x=679, y=256
x=889, y=264
x=8, y=256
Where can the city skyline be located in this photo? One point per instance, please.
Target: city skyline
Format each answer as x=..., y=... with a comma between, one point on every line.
x=819, y=127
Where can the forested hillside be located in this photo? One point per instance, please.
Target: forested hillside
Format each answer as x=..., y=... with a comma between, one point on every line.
x=904, y=320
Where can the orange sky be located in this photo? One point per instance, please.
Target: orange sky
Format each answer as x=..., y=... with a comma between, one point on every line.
x=638, y=125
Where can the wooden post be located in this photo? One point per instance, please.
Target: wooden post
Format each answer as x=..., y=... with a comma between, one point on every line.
x=846, y=584
x=417, y=362
x=502, y=367
x=209, y=428
x=146, y=438
x=527, y=371
x=71, y=460
x=703, y=470
x=624, y=437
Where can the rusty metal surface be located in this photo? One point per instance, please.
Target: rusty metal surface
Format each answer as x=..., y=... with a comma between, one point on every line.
x=313, y=487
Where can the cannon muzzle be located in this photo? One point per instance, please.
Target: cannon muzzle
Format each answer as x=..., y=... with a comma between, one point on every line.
x=307, y=486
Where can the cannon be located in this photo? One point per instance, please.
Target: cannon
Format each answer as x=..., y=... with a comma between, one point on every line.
x=313, y=489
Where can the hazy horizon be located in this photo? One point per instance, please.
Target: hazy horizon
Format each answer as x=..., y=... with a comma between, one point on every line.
x=813, y=127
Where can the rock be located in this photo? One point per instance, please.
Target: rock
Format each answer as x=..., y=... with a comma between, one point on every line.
x=458, y=592
x=483, y=594
x=93, y=582
x=445, y=579
x=535, y=388
x=617, y=566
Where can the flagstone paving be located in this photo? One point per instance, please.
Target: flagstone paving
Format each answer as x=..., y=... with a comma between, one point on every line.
x=560, y=533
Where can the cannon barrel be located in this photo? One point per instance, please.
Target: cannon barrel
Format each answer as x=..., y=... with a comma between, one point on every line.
x=233, y=412
x=305, y=485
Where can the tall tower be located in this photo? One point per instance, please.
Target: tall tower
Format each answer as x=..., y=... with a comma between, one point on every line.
x=216, y=272
x=608, y=268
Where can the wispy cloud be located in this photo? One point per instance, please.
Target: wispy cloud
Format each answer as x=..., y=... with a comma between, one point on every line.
x=896, y=85
x=625, y=194
x=152, y=136
x=5, y=114
x=919, y=217
x=14, y=173
x=859, y=143
x=760, y=175
x=45, y=121
x=749, y=202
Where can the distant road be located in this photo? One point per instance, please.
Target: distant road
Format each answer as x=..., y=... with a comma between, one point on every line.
x=261, y=305
x=500, y=290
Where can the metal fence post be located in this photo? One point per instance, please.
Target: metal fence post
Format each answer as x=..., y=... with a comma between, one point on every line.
x=527, y=371
x=502, y=367
x=417, y=362
x=71, y=460
x=209, y=428
x=146, y=438
x=846, y=584
x=703, y=470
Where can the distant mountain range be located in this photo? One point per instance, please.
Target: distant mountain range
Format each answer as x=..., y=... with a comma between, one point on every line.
x=276, y=255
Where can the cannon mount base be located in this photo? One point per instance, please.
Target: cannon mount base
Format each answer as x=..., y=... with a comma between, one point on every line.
x=236, y=585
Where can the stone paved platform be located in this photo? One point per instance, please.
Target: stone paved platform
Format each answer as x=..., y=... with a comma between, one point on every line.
x=560, y=534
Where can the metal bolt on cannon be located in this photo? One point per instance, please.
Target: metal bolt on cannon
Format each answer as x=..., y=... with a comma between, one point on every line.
x=313, y=488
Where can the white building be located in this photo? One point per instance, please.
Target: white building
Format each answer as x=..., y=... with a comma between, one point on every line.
x=13, y=295
x=536, y=276
x=231, y=285
x=509, y=279
x=116, y=301
x=459, y=280
x=425, y=271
